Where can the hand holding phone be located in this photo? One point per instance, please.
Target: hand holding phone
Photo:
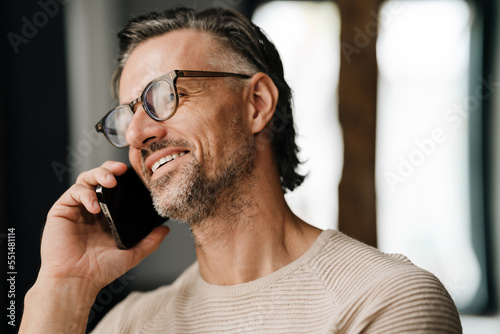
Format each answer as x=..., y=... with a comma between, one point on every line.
x=74, y=231
x=129, y=209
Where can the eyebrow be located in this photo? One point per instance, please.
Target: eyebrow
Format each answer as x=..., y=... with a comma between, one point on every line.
x=182, y=84
x=137, y=94
x=139, y=91
x=193, y=82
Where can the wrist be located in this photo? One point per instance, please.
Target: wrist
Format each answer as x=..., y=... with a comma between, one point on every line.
x=58, y=306
x=74, y=289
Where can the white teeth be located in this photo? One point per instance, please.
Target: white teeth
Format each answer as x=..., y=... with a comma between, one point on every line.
x=164, y=160
x=155, y=166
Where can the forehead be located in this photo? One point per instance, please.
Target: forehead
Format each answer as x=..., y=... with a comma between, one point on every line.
x=176, y=50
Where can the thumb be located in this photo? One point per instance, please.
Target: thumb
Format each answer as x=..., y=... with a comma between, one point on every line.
x=149, y=244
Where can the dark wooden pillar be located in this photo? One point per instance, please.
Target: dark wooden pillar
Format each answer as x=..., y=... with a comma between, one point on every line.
x=357, y=116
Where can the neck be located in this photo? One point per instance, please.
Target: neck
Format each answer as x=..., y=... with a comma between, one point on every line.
x=253, y=240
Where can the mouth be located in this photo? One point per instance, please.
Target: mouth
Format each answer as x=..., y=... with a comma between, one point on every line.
x=166, y=159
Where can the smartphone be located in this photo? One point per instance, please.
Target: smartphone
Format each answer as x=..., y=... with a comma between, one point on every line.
x=129, y=209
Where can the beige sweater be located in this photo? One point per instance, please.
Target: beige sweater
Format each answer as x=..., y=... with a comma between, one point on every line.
x=338, y=286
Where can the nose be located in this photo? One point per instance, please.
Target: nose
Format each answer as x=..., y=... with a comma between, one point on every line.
x=143, y=129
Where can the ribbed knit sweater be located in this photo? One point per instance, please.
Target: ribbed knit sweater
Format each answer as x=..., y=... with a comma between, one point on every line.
x=338, y=286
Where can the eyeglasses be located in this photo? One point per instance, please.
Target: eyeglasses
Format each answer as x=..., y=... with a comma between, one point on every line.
x=159, y=99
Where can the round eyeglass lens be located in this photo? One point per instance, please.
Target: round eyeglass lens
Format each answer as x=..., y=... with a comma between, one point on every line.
x=160, y=99
x=117, y=124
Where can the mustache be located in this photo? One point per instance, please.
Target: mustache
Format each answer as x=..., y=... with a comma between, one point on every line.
x=162, y=144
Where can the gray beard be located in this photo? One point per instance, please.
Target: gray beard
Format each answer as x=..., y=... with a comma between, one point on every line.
x=198, y=196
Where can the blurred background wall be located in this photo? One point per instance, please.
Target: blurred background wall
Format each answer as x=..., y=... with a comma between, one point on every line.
x=397, y=110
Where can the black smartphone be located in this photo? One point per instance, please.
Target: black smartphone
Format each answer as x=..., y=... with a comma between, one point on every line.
x=129, y=209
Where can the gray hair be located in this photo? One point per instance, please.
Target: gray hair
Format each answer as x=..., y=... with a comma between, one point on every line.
x=248, y=49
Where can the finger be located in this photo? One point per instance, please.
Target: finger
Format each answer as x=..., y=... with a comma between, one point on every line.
x=104, y=175
x=149, y=244
x=80, y=195
x=117, y=167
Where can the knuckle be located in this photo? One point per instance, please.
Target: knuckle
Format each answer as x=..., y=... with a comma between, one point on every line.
x=80, y=177
x=88, y=177
x=76, y=188
x=80, y=192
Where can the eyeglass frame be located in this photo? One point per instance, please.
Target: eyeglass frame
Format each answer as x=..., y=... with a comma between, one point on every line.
x=171, y=77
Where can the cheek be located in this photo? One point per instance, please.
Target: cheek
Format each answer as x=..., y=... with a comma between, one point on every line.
x=217, y=134
x=134, y=156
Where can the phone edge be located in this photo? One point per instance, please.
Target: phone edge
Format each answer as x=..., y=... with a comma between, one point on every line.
x=109, y=218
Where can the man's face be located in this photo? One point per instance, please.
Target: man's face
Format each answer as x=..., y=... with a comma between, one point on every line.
x=212, y=146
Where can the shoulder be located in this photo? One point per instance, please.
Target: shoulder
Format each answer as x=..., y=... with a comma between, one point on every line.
x=385, y=293
x=343, y=258
x=139, y=308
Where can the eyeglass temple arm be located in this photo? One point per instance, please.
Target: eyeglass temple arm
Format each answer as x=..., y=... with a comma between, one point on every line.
x=206, y=74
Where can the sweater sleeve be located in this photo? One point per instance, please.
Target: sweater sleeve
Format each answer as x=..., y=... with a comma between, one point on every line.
x=379, y=293
x=412, y=301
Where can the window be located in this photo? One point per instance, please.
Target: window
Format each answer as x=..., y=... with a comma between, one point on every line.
x=423, y=174
x=306, y=35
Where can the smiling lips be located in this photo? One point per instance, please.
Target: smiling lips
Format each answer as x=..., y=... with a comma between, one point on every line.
x=166, y=159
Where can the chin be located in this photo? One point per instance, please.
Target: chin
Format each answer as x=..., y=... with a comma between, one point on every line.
x=176, y=201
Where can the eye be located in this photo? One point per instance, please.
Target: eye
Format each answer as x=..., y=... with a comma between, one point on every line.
x=150, y=106
x=182, y=93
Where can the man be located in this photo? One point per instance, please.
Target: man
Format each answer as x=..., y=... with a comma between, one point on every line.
x=215, y=105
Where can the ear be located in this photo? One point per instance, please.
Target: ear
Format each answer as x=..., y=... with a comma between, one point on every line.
x=263, y=98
